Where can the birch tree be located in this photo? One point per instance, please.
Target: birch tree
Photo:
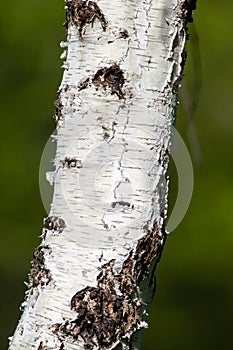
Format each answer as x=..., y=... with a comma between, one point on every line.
x=92, y=277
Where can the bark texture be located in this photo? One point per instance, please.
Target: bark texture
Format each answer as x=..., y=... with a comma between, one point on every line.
x=92, y=277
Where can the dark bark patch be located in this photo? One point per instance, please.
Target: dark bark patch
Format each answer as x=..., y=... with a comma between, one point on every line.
x=82, y=13
x=113, y=310
x=164, y=157
x=106, y=132
x=148, y=248
x=58, y=107
x=41, y=347
x=70, y=162
x=84, y=84
x=123, y=33
x=54, y=223
x=185, y=10
x=103, y=316
x=58, y=114
x=126, y=281
x=39, y=275
x=110, y=78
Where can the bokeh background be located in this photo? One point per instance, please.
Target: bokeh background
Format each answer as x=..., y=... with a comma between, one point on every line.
x=193, y=307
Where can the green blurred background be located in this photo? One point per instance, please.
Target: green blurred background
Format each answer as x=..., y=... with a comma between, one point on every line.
x=193, y=307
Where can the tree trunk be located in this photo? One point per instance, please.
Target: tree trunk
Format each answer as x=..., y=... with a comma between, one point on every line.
x=92, y=277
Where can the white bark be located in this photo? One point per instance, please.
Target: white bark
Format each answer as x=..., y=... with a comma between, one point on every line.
x=105, y=231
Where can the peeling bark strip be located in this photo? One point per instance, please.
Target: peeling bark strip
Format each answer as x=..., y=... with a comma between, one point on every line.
x=92, y=278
